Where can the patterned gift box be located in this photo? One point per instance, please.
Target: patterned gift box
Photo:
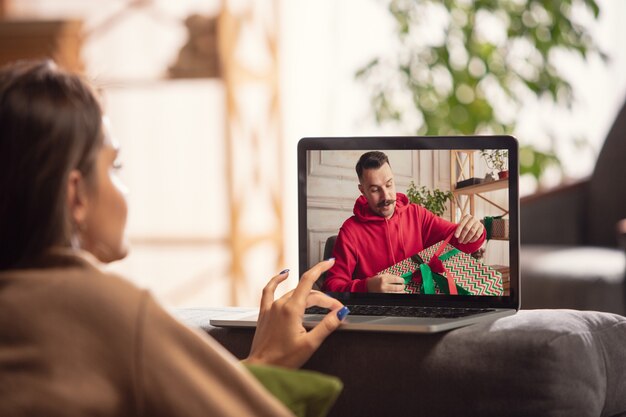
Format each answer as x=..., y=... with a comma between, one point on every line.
x=497, y=227
x=457, y=273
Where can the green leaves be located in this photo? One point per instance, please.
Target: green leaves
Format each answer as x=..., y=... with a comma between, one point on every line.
x=433, y=200
x=491, y=49
x=535, y=162
x=495, y=159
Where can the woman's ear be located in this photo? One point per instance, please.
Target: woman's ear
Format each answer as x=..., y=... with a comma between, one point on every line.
x=77, y=203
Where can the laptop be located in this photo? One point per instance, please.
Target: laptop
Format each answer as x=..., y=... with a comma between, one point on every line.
x=454, y=176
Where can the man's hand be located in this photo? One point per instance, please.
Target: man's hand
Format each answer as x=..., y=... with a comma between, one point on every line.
x=385, y=283
x=469, y=229
x=280, y=339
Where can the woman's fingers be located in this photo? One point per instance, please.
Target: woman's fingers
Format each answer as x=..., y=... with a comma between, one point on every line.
x=330, y=322
x=267, y=296
x=320, y=299
x=308, y=279
x=319, y=333
x=280, y=337
x=286, y=295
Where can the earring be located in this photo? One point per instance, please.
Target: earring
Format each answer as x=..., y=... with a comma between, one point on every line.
x=78, y=230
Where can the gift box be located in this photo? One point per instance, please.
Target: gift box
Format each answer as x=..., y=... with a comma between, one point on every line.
x=505, y=271
x=496, y=227
x=443, y=269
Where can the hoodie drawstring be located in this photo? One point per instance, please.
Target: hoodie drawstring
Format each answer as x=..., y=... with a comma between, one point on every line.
x=389, y=245
x=401, y=233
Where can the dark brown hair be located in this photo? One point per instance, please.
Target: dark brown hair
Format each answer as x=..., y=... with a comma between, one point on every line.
x=370, y=160
x=50, y=124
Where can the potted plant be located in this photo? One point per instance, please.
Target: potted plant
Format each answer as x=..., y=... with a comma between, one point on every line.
x=496, y=159
x=452, y=78
x=433, y=200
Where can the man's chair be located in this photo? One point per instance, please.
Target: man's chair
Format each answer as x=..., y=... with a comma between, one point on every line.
x=328, y=252
x=573, y=238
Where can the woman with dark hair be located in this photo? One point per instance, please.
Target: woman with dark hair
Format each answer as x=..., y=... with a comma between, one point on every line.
x=75, y=340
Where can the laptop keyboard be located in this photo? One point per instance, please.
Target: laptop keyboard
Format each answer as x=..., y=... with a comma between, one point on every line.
x=405, y=311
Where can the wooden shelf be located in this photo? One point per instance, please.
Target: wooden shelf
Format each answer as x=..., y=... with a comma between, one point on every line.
x=462, y=168
x=482, y=188
x=60, y=40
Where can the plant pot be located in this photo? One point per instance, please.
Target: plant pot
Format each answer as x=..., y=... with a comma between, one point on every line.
x=503, y=174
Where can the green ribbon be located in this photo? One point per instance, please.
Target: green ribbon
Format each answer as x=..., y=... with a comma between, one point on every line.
x=431, y=279
x=488, y=220
x=427, y=279
x=449, y=254
x=407, y=276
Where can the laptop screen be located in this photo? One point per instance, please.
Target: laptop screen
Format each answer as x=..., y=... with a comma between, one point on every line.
x=412, y=219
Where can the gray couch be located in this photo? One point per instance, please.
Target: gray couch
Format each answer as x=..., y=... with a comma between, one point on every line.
x=535, y=363
x=573, y=238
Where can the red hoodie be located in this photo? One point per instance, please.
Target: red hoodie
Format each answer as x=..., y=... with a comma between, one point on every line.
x=368, y=243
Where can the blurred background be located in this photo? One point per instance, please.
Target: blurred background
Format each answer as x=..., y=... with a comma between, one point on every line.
x=208, y=99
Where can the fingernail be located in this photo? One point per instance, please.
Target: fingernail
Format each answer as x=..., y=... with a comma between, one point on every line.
x=330, y=259
x=341, y=314
x=284, y=271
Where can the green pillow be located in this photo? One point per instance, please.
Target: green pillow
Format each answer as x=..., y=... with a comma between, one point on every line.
x=305, y=393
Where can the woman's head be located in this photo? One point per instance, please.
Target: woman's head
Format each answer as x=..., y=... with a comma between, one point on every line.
x=53, y=147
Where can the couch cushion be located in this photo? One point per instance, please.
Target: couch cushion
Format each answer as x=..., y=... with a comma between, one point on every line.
x=538, y=362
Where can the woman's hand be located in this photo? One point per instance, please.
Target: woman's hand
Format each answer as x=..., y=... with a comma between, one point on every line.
x=280, y=338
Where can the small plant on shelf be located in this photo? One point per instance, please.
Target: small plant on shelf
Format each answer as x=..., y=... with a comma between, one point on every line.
x=433, y=200
x=496, y=159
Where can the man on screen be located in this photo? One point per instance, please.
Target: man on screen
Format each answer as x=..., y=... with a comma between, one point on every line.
x=385, y=229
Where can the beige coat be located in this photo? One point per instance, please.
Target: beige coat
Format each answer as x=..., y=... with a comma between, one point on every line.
x=75, y=341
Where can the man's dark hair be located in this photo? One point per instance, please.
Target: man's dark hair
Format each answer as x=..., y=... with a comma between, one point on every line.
x=371, y=160
x=50, y=124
